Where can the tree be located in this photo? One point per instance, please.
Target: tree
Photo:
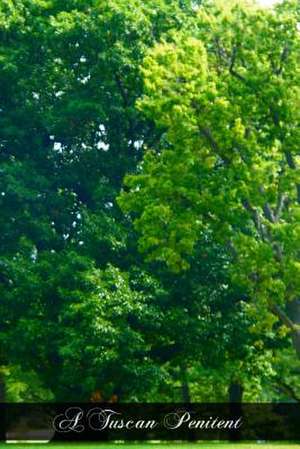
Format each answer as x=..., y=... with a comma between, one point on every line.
x=205, y=341
x=80, y=309
x=226, y=97
x=69, y=132
x=83, y=330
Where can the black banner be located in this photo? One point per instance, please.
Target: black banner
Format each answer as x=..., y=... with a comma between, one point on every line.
x=188, y=422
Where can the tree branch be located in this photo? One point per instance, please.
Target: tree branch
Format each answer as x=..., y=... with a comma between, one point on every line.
x=288, y=390
x=274, y=308
x=269, y=213
x=256, y=219
x=283, y=57
x=206, y=132
x=292, y=165
x=281, y=203
x=232, y=63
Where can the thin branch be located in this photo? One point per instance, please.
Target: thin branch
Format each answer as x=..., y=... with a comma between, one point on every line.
x=256, y=219
x=288, y=390
x=283, y=58
x=208, y=135
x=206, y=132
x=281, y=203
x=232, y=64
x=292, y=165
x=274, y=308
x=290, y=160
x=268, y=213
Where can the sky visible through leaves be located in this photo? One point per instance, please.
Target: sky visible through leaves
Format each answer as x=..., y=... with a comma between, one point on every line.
x=267, y=2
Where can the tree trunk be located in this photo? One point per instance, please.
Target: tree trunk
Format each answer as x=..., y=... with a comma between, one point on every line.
x=185, y=389
x=293, y=309
x=2, y=409
x=235, y=392
x=2, y=388
x=291, y=319
x=296, y=342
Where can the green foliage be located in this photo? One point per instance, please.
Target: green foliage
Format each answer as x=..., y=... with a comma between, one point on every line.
x=69, y=132
x=197, y=105
x=230, y=166
x=25, y=386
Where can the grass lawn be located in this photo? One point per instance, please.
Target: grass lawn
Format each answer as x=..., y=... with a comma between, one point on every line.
x=203, y=445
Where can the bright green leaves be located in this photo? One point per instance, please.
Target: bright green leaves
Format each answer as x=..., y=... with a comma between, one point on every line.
x=175, y=73
x=171, y=86
x=225, y=95
x=166, y=201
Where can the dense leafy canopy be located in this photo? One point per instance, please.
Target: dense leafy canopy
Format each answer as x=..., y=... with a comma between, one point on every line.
x=196, y=103
x=227, y=98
